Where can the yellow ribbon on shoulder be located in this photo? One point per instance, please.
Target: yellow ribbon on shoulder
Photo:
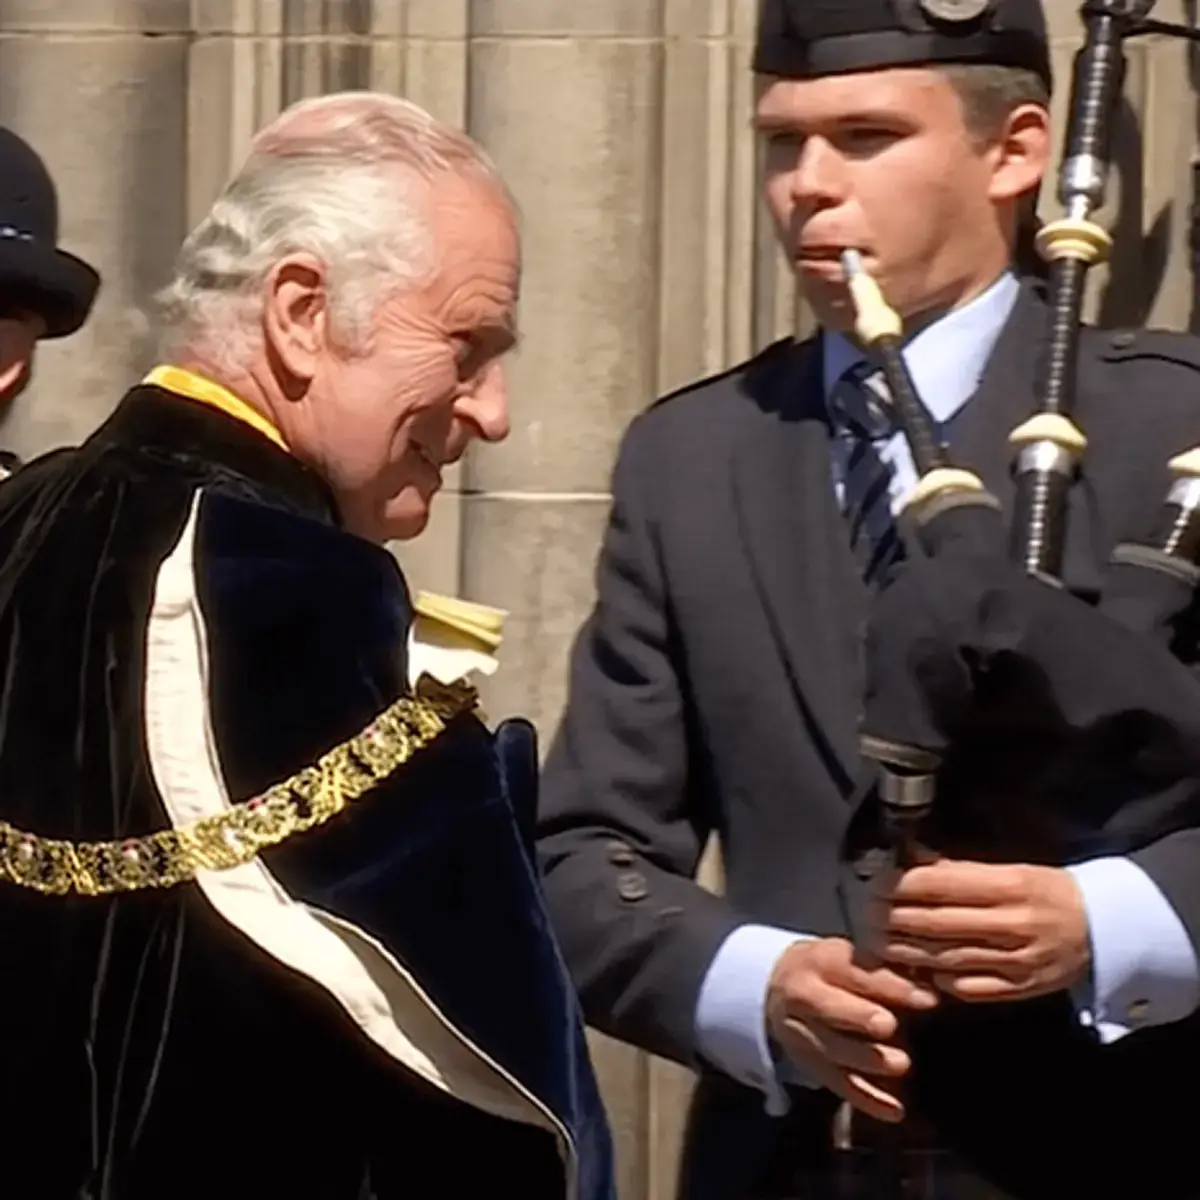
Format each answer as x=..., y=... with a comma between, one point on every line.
x=205, y=391
x=451, y=638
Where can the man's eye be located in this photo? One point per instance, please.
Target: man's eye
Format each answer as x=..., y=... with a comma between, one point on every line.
x=866, y=139
x=472, y=354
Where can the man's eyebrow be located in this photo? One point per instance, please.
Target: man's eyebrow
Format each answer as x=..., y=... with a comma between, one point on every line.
x=770, y=122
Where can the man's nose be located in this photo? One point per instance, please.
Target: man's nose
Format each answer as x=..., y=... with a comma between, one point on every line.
x=816, y=178
x=487, y=406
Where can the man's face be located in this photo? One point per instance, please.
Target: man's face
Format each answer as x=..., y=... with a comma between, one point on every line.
x=882, y=162
x=19, y=334
x=382, y=424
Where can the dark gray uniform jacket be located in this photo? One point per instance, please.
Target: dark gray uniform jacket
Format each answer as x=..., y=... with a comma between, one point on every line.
x=715, y=687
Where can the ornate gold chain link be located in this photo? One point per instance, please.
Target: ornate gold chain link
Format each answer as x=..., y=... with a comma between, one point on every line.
x=229, y=839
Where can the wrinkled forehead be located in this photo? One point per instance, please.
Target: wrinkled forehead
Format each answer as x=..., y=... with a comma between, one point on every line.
x=476, y=259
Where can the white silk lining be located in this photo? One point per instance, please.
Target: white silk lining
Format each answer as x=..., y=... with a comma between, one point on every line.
x=376, y=992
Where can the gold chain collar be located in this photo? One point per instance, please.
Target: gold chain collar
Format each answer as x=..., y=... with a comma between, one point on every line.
x=234, y=837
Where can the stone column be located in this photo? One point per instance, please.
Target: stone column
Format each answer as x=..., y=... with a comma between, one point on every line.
x=623, y=128
x=565, y=97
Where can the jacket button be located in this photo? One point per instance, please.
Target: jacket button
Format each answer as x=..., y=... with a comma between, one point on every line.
x=620, y=855
x=632, y=886
x=1124, y=339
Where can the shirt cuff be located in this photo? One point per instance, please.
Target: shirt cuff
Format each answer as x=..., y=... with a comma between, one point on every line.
x=731, y=1016
x=1144, y=968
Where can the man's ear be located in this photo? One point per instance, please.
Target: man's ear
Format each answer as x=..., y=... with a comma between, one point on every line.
x=295, y=315
x=1022, y=153
x=18, y=339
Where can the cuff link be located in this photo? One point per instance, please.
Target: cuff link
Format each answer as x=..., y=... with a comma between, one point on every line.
x=1138, y=1011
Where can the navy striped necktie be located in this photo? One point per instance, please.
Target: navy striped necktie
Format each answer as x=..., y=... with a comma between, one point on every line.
x=860, y=409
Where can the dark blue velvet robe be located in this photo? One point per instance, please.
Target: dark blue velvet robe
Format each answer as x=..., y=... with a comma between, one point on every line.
x=155, y=1049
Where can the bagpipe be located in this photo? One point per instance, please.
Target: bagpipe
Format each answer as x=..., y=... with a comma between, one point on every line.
x=1008, y=719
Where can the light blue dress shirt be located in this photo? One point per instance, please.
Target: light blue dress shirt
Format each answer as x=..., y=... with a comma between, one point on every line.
x=1144, y=969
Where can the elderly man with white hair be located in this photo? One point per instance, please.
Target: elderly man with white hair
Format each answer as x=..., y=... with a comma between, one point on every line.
x=270, y=920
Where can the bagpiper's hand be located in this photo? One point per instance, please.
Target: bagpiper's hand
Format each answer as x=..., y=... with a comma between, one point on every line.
x=987, y=932
x=834, y=1016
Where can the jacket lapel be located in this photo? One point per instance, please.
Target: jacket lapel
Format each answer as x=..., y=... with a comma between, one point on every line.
x=798, y=551
x=794, y=533
x=1007, y=396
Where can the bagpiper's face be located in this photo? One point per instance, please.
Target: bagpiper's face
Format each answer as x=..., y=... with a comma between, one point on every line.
x=383, y=422
x=883, y=162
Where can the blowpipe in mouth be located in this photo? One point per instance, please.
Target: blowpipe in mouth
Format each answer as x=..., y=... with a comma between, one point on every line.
x=874, y=319
x=852, y=263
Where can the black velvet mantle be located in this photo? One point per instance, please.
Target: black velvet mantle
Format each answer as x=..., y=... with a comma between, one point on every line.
x=152, y=1050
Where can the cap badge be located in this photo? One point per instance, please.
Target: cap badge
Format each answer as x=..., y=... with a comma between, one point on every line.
x=955, y=11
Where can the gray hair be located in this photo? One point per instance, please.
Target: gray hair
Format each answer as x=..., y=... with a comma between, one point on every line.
x=342, y=177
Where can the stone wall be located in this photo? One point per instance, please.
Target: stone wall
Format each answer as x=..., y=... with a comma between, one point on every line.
x=623, y=127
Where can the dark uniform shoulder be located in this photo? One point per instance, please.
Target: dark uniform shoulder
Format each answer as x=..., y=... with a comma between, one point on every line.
x=735, y=380
x=691, y=430
x=1138, y=378
x=1142, y=345
x=731, y=397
